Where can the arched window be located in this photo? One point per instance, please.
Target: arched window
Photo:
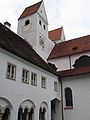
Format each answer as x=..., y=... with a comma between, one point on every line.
x=68, y=97
x=40, y=114
x=27, y=22
x=31, y=114
x=20, y=114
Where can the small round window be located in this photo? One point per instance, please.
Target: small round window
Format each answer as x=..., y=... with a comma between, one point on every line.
x=27, y=22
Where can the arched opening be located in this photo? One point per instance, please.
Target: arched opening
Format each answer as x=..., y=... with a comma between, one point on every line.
x=31, y=114
x=25, y=114
x=26, y=110
x=40, y=114
x=5, y=109
x=82, y=61
x=43, y=114
x=68, y=97
x=27, y=22
x=6, y=114
x=43, y=111
x=55, y=109
x=20, y=114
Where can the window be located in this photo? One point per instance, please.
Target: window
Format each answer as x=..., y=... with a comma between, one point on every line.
x=41, y=42
x=43, y=82
x=55, y=86
x=40, y=22
x=44, y=27
x=11, y=71
x=27, y=22
x=25, y=76
x=33, y=78
x=68, y=97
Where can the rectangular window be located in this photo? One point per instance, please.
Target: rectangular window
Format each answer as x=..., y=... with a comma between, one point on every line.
x=43, y=82
x=11, y=71
x=25, y=76
x=55, y=86
x=33, y=78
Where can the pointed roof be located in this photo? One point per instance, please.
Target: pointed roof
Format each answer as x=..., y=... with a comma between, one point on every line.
x=71, y=47
x=55, y=34
x=30, y=10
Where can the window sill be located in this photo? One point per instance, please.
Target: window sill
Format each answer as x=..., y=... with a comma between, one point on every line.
x=25, y=82
x=11, y=78
x=34, y=84
x=68, y=107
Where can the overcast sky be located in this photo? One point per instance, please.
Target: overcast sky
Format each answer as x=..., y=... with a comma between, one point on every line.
x=73, y=15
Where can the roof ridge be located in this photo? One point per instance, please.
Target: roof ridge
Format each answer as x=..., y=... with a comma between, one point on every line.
x=56, y=29
x=30, y=9
x=74, y=39
x=34, y=4
x=78, y=37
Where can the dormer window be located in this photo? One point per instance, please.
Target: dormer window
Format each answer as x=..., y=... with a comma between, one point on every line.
x=40, y=22
x=27, y=22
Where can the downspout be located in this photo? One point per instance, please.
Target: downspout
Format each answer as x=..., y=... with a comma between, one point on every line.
x=70, y=61
x=62, y=98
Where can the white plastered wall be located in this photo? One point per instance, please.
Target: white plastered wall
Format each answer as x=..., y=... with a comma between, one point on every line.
x=16, y=92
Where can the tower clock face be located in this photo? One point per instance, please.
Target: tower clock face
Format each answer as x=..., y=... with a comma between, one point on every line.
x=27, y=27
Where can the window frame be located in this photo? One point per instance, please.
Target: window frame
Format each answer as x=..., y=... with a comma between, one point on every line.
x=40, y=22
x=26, y=72
x=68, y=98
x=35, y=80
x=44, y=27
x=43, y=82
x=10, y=76
x=55, y=86
x=27, y=22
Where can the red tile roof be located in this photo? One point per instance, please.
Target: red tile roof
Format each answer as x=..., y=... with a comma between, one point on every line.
x=71, y=47
x=30, y=10
x=74, y=72
x=21, y=48
x=55, y=34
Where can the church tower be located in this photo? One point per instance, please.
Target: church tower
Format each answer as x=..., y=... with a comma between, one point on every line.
x=33, y=26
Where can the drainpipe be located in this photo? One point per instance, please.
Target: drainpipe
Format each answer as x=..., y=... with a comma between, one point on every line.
x=70, y=61
x=62, y=98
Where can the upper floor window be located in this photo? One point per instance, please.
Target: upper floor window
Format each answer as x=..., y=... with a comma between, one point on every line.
x=55, y=86
x=27, y=22
x=44, y=27
x=25, y=76
x=68, y=97
x=43, y=82
x=33, y=78
x=40, y=22
x=11, y=71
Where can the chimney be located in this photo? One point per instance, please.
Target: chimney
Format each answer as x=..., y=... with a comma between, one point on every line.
x=7, y=24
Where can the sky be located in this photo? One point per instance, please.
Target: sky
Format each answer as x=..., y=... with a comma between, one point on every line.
x=73, y=15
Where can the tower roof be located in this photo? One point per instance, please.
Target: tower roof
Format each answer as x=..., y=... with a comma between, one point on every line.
x=30, y=10
x=55, y=34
